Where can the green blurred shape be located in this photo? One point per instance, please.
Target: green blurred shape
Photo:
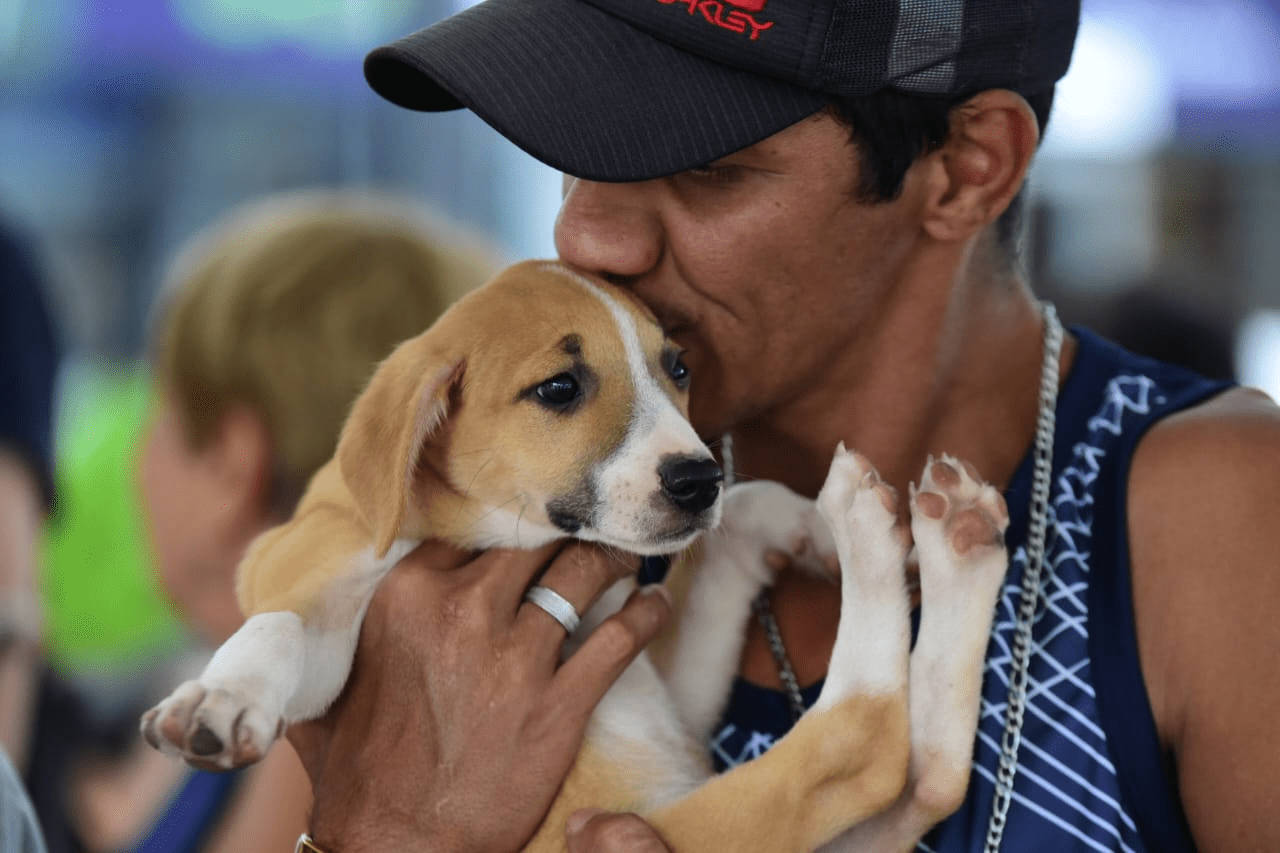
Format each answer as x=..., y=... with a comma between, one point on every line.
x=104, y=610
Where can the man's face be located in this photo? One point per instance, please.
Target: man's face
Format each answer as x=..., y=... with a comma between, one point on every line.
x=763, y=266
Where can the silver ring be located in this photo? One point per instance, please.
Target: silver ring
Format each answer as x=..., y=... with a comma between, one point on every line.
x=555, y=605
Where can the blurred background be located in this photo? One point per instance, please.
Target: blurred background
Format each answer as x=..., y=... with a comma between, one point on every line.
x=126, y=125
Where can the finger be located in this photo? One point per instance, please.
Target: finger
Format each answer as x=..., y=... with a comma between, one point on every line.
x=402, y=587
x=437, y=555
x=574, y=825
x=596, y=831
x=583, y=679
x=502, y=575
x=412, y=584
x=580, y=574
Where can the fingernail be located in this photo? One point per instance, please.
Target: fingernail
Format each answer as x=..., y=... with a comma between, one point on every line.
x=579, y=819
x=657, y=589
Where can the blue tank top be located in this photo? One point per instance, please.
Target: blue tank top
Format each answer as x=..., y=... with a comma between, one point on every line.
x=1090, y=768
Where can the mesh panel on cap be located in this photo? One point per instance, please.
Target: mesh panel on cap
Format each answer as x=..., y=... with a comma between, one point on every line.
x=857, y=47
x=996, y=45
x=925, y=44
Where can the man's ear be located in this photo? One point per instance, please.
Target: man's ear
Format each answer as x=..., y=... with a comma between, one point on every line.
x=977, y=172
x=405, y=403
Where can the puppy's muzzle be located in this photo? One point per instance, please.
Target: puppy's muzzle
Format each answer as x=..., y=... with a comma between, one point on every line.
x=692, y=483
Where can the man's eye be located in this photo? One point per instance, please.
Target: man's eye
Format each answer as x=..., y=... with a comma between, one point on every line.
x=713, y=174
x=558, y=391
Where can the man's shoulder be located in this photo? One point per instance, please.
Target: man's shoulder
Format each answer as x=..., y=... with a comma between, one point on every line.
x=1236, y=404
x=1204, y=507
x=1223, y=442
x=1200, y=473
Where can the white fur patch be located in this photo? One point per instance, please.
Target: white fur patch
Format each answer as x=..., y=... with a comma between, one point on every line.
x=629, y=479
x=277, y=669
x=505, y=528
x=759, y=516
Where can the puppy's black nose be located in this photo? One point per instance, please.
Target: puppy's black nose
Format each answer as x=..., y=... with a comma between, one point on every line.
x=691, y=483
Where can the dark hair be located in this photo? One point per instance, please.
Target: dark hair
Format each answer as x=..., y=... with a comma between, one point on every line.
x=891, y=130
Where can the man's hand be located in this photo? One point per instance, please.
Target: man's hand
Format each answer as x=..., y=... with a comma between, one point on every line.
x=596, y=831
x=459, y=722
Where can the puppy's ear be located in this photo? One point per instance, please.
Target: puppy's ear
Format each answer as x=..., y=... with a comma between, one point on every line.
x=405, y=403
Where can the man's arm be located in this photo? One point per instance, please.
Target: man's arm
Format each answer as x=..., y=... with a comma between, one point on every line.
x=459, y=721
x=1204, y=521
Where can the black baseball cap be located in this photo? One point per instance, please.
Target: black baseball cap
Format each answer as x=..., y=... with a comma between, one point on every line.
x=626, y=90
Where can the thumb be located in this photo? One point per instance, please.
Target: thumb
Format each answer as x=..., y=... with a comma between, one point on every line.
x=579, y=819
x=599, y=831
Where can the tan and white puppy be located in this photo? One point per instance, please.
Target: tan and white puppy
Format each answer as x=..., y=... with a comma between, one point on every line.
x=546, y=405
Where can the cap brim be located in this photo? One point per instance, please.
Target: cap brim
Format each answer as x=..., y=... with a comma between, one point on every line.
x=583, y=91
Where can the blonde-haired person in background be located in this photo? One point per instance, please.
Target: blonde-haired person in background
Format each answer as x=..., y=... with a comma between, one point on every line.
x=268, y=329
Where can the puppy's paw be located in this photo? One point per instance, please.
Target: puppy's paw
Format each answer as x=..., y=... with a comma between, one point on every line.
x=954, y=511
x=212, y=728
x=862, y=510
x=804, y=553
x=785, y=527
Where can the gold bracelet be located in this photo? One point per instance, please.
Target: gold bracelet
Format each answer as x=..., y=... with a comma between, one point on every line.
x=306, y=845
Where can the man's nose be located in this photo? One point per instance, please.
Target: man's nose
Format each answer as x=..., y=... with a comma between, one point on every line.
x=608, y=229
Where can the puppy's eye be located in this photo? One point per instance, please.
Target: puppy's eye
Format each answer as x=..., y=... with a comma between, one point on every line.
x=559, y=391
x=677, y=369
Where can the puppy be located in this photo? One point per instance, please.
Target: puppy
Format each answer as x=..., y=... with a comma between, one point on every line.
x=547, y=405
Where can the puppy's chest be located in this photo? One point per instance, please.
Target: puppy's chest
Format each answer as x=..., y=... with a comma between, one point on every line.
x=638, y=728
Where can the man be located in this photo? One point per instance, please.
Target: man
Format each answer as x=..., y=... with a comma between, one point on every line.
x=812, y=198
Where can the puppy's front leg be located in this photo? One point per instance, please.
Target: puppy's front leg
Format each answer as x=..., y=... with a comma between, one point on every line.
x=235, y=709
x=873, y=639
x=729, y=572
x=291, y=657
x=846, y=759
x=958, y=523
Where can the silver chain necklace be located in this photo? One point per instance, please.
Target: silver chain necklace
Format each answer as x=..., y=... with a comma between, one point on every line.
x=1037, y=527
x=787, y=675
x=1032, y=577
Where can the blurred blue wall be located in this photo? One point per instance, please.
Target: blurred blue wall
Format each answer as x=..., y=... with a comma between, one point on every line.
x=126, y=126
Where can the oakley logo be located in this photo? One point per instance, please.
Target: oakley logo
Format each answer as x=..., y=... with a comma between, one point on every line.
x=713, y=11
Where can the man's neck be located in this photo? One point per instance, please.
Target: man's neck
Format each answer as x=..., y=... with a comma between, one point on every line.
x=960, y=378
